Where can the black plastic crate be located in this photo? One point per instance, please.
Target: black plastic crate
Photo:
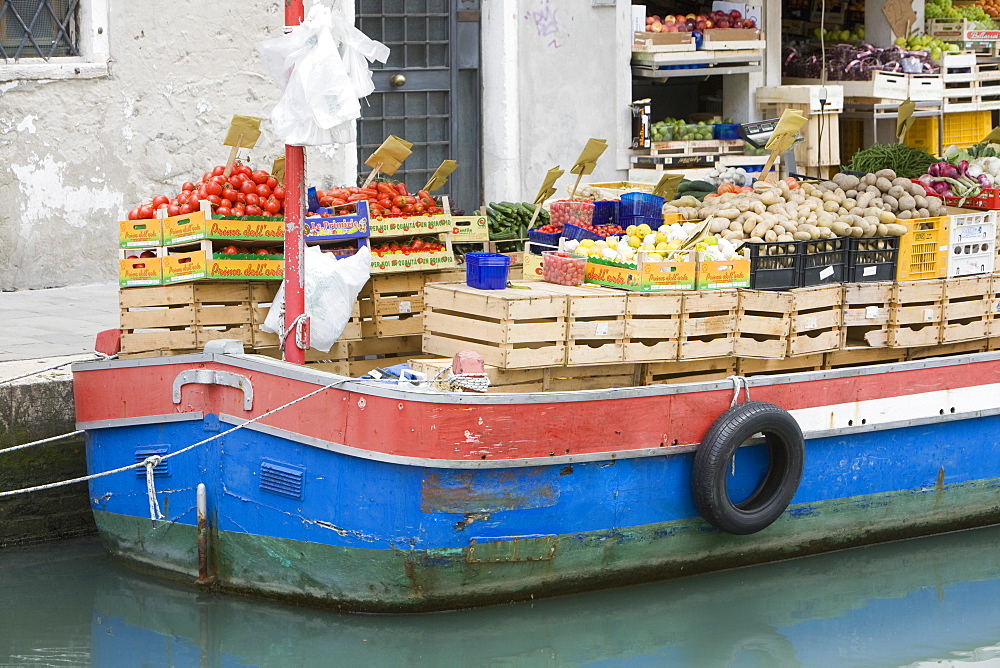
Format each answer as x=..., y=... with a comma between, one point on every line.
x=872, y=259
x=823, y=261
x=775, y=265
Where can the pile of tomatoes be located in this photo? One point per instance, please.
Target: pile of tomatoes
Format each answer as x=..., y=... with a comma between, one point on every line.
x=244, y=192
x=415, y=245
x=548, y=229
x=243, y=250
x=384, y=199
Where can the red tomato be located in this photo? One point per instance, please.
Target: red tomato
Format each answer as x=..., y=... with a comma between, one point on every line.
x=186, y=209
x=230, y=194
x=223, y=211
x=133, y=214
x=271, y=182
x=162, y=206
x=260, y=176
x=230, y=250
x=219, y=171
x=173, y=210
x=243, y=169
x=187, y=186
x=253, y=200
x=278, y=192
x=214, y=189
x=202, y=192
x=263, y=190
x=253, y=210
x=160, y=199
x=226, y=202
x=247, y=187
x=239, y=210
x=214, y=199
x=272, y=205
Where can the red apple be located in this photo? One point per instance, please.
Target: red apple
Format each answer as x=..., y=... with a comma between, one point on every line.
x=709, y=23
x=649, y=20
x=735, y=15
x=749, y=23
x=722, y=23
x=669, y=18
x=671, y=27
x=656, y=27
x=700, y=25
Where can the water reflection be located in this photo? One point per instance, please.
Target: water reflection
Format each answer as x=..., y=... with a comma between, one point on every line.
x=904, y=604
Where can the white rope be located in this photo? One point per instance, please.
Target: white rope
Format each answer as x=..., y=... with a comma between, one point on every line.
x=152, y=462
x=737, y=381
x=63, y=483
x=477, y=382
x=298, y=326
x=44, y=440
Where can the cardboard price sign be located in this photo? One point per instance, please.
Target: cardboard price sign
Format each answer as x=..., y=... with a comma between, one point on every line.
x=278, y=169
x=992, y=138
x=388, y=157
x=667, y=187
x=546, y=191
x=905, y=119
x=900, y=15
x=587, y=161
x=783, y=137
x=440, y=175
x=244, y=131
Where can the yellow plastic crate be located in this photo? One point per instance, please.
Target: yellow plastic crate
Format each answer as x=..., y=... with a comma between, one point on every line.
x=923, y=250
x=924, y=134
x=965, y=128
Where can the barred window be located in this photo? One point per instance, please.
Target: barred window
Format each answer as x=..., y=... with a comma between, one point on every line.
x=39, y=29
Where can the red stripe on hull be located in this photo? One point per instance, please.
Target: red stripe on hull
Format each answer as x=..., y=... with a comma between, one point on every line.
x=454, y=431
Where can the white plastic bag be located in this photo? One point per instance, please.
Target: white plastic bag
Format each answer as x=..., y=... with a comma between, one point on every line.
x=332, y=287
x=321, y=68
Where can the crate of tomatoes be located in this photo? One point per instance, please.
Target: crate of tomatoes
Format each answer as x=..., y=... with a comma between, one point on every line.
x=384, y=199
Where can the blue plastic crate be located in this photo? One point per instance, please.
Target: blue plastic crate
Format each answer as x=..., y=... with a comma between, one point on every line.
x=605, y=212
x=578, y=233
x=486, y=271
x=640, y=204
x=547, y=238
x=725, y=131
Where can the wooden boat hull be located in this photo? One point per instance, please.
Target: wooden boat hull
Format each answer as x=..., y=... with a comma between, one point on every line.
x=375, y=498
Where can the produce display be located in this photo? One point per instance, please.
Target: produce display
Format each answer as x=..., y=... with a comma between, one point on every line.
x=563, y=268
x=847, y=62
x=509, y=220
x=980, y=14
x=846, y=206
x=736, y=175
x=697, y=189
x=906, y=161
x=571, y=212
x=698, y=22
x=675, y=129
x=963, y=173
x=935, y=46
x=661, y=243
x=385, y=199
x=855, y=34
x=409, y=246
x=244, y=192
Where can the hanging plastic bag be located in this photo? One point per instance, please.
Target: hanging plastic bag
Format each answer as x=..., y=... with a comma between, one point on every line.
x=332, y=287
x=321, y=68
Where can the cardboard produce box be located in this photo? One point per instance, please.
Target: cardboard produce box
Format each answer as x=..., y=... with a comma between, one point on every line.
x=197, y=226
x=206, y=262
x=147, y=233
x=645, y=276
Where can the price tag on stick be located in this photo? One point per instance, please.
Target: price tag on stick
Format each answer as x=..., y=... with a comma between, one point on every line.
x=667, y=187
x=992, y=138
x=440, y=175
x=783, y=137
x=244, y=131
x=587, y=161
x=388, y=157
x=904, y=119
x=546, y=191
x=278, y=169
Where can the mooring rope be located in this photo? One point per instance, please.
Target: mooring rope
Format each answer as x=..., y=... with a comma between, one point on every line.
x=737, y=381
x=100, y=356
x=149, y=462
x=44, y=440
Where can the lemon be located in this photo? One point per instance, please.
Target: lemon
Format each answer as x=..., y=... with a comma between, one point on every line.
x=662, y=246
x=634, y=242
x=643, y=230
x=587, y=243
x=661, y=237
x=630, y=230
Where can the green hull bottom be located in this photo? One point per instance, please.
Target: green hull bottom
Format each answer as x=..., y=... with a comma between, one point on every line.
x=440, y=579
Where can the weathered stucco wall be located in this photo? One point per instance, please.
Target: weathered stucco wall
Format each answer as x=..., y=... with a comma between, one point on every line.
x=76, y=153
x=555, y=73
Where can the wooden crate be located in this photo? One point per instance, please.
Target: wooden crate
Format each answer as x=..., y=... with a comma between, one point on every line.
x=652, y=326
x=851, y=357
x=747, y=366
x=393, y=304
x=993, y=303
x=355, y=358
x=511, y=328
x=948, y=349
x=816, y=318
x=821, y=133
x=708, y=324
x=966, y=309
x=915, y=316
x=595, y=323
x=693, y=371
x=762, y=324
x=261, y=339
x=173, y=319
x=866, y=314
x=551, y=379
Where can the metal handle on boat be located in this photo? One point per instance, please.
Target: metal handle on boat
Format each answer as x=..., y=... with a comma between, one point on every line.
x=212, y=377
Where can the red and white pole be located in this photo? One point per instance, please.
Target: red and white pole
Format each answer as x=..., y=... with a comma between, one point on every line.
x=295, y=299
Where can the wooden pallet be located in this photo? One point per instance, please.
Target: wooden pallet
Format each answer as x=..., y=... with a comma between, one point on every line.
x=852, y=357
x=948, y=349
x=708, y=324
x=652, y=326
x=171, y=319
x=747, y=366
x=866, y=314
x=692, y=371
x=915, y=316
x=510, y=328
x=763, y=323
x=816, y=319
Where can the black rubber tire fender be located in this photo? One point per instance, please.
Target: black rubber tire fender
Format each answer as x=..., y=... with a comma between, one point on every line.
x=714, y=456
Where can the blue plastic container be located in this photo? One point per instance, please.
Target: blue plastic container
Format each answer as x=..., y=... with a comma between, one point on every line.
x=605, y=212
x=546, y=238
x=654, y=222
x=640, y=204
x=486, y=271
x=578, y=233
x=726, y=131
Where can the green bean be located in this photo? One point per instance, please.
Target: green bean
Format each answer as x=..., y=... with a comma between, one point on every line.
x=907, y=161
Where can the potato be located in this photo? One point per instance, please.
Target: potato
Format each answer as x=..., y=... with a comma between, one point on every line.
x=852, y=193
x=839, y=228
x=906, y=202
x=829, y=185
x=891, y=202
x=883, y=184
x=733, y=235
x=882, y=231
x=730, y=213
x=873, y=189
x=886, y=174
x=895, y=191
x=857, y=232
x=895, y=230
x=887, y=217
x=716, y=225
x=904, y=215
x=921, y=201
x=784, y=238
x=802, y=236
x=915, y=189
x=831, y=206
x=923, y=213
x=750, y=225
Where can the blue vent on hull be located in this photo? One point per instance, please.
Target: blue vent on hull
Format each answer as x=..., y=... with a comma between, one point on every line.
x=281, y=479
x=161, y=470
